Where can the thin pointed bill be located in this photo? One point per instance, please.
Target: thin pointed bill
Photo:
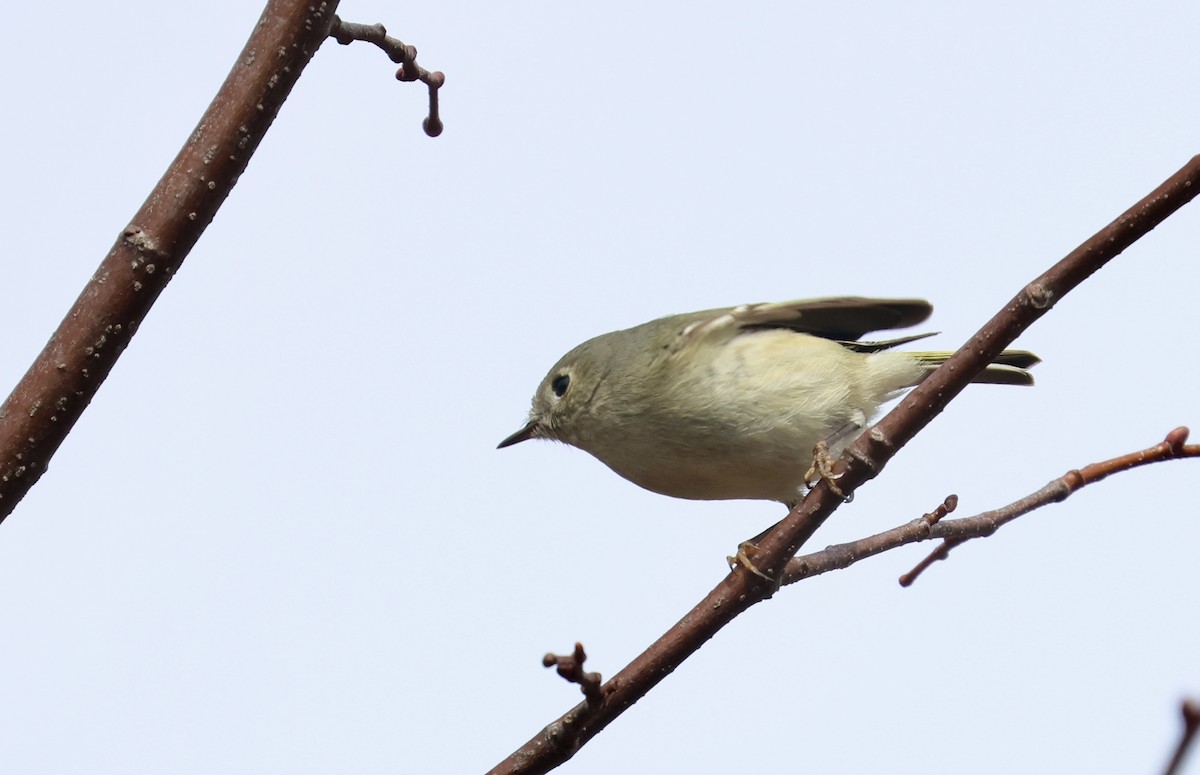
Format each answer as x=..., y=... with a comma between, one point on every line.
x=526, y=433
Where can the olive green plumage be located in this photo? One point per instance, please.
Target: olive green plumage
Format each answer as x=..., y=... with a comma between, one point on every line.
x=730, y=403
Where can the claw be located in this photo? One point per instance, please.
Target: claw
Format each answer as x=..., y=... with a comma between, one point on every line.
x=745, y=550
x=822, y=469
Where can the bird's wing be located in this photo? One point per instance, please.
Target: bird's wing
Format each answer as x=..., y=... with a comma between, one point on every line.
x=842, y=318
x=845, y=317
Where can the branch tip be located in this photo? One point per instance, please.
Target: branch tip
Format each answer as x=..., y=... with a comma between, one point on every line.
x=1191, y=713
x=1177, y=438
x=1191, y=725
x=940, y=553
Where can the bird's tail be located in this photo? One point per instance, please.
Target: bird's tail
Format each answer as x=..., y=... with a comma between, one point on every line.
x=1010, y=367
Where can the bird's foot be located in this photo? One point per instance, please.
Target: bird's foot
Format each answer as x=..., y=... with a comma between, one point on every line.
x=745, y=553
x=822, y=470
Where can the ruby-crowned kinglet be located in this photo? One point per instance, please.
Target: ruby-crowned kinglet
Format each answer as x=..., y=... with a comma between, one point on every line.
x=730, y=403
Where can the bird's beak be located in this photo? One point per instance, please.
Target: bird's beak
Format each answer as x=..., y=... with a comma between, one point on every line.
x=528, y=432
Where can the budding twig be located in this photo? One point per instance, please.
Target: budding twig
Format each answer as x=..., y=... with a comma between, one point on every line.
x=1173, y=447
x=958, y=531
x=402, y=54
x=840, y=556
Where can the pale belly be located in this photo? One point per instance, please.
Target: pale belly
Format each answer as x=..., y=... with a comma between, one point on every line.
x=744, y=421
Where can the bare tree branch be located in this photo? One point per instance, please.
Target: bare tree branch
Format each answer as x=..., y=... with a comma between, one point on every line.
x=402, y=54
x=52, y=395
x=742, y=588
x=957, y=531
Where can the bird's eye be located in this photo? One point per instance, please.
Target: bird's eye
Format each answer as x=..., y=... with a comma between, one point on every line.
x=560, y=384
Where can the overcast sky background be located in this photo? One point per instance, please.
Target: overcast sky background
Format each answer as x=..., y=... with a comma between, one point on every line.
x=281, y=539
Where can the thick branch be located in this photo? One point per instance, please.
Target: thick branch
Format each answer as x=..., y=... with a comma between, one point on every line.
x=60, y=384
x=957, y=531
x=742, y=588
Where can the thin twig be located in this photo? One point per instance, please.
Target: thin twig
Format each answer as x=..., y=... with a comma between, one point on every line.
x=49, y=399
x=1191, y=725
x=839, y=556
x=1173, y=447
x=402, y=54
x=956, y=531
x=742, y=588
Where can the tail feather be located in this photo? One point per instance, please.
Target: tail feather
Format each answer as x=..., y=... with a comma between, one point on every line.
x=1007, y=368
x=1022, y=359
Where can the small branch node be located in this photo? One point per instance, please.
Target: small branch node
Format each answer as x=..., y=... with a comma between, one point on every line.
x=1040, y=297
x=880, y=438
x=947, y=507
x=1177, y=438
x=570, y=667
x=866, y=461
x=1072, y=480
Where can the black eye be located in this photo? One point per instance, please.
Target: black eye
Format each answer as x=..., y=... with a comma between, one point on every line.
x=560, y=384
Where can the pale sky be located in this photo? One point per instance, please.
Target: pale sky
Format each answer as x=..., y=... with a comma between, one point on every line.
x=281, y=539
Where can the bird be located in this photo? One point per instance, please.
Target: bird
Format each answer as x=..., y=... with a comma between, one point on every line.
x=731, y=403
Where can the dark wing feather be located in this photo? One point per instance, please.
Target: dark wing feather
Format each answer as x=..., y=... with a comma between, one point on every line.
x=845, y=318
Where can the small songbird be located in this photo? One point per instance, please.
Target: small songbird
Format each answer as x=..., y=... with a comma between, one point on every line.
x=730, y=403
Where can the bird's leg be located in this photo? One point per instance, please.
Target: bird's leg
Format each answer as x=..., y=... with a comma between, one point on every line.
x=822, y=468
x=824, y=458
